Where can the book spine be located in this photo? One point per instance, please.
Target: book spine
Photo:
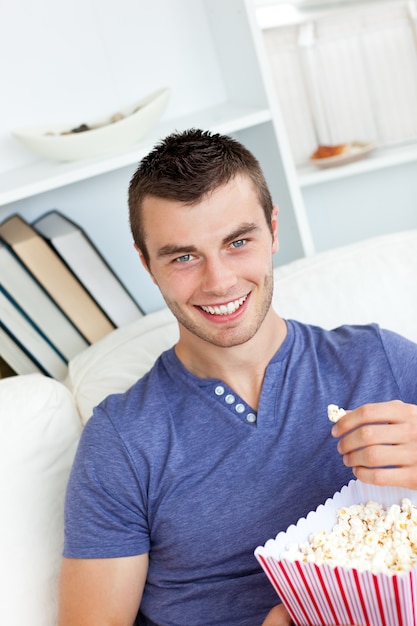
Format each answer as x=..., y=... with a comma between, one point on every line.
x=32, y=323
x=30, y=339
x=16, y=356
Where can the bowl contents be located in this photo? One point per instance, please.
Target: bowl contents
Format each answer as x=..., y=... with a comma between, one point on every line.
x=116, y=117
x=324, y=152
x=340, y=154
x=365, y=537
x=80, y=129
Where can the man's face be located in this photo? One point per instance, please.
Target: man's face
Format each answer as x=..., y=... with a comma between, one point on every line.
x=212, y=262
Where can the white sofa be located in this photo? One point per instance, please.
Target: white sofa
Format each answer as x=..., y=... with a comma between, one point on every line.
x=374, y=280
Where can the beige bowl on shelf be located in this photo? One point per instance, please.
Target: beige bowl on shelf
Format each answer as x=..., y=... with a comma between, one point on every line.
x=102, y=136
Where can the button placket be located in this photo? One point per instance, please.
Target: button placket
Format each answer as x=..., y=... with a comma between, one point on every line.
x=239, y=407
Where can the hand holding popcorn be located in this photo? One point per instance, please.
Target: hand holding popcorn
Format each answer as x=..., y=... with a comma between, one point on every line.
x=379, y=442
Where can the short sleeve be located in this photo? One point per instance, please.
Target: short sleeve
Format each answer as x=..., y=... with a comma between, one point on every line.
x=105, y=506
x=402, y=357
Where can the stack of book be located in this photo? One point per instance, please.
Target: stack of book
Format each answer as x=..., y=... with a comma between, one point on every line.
x=58, y=295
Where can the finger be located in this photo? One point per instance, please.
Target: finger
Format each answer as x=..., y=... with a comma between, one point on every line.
x=383, y=456
x=391, y=412
x=377, y=434
x=388, y=477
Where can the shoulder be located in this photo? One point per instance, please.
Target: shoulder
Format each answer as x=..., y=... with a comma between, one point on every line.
x=350, y=341
x=346, y=334
x=357, y=347
x=141, y=404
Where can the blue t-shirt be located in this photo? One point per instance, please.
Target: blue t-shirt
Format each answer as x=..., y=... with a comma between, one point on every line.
x=181, y=467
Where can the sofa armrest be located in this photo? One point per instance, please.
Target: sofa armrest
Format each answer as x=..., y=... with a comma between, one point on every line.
x=40, y=429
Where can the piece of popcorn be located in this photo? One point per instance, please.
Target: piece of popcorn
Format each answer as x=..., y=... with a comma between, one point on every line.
x=334, y=412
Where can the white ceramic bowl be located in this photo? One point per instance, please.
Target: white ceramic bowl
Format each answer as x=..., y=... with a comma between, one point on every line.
x=103, y=137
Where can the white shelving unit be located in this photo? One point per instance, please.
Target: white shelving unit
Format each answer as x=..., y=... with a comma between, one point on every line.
x=212, y=55
x=44, y=175
x=372, y=196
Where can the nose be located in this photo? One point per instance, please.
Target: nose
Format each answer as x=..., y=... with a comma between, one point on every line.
x=218, y=277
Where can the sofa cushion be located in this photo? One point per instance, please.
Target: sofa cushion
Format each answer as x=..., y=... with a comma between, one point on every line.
x=370, y=281
x=40, y=429
x=115, y=362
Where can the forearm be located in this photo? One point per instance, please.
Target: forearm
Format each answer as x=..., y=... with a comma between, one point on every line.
x=101, y=592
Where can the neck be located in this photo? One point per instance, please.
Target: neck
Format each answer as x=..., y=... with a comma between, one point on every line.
x=241, y=367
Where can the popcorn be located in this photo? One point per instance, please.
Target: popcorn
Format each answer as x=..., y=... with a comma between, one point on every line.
x=366, y=537
x=334, y=412
x=364, y=570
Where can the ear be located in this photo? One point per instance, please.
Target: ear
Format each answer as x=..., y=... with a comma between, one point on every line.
x=141, y=257
x=143, y=261
x=274, y=227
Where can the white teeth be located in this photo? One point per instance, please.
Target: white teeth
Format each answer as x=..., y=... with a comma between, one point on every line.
x=225, y=309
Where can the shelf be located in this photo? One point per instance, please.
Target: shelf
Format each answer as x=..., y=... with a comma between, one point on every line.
x=45, y=175
x=378, y=160
x=273, y=15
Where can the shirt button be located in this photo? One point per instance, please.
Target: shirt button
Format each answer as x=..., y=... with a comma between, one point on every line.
x=251, y=417
x=219, y=390
x=240, y=408
x=229, y=398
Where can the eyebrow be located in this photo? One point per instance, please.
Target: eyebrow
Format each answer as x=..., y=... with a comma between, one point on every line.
x=239, y=233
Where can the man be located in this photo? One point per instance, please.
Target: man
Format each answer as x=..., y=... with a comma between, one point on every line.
x=226, y=441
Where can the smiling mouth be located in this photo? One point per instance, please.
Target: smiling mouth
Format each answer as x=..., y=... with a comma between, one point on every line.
x=225, y=309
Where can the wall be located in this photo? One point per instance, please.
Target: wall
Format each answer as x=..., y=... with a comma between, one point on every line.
x=73, y=62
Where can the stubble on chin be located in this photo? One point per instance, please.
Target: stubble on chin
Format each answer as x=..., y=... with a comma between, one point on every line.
x=232, y=335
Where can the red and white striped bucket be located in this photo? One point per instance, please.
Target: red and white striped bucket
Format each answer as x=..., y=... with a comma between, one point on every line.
x=322, y=595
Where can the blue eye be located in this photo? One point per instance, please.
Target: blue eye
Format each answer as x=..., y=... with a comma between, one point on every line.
x=183, y=259
x=239, y=243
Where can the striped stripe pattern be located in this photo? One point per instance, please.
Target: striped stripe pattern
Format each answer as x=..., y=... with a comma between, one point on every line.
x=329, y=595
